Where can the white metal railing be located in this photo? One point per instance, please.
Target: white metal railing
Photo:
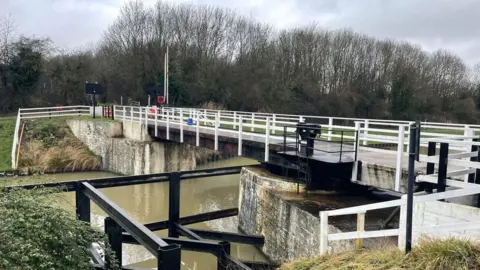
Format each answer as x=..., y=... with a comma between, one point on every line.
x=461, y=189
x=45, y=112
x=371, y=131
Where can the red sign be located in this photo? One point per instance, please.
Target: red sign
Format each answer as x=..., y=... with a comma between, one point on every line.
x=160, y=99
x=59, y=107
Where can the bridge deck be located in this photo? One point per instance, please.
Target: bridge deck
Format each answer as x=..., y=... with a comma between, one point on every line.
x=373, y=157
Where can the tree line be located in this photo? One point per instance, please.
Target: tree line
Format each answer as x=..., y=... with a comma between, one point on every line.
x=219, y=57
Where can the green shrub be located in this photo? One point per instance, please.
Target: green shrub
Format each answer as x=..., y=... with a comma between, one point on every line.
x=35, y=235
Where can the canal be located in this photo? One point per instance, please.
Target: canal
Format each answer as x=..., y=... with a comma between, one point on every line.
x=149, y=203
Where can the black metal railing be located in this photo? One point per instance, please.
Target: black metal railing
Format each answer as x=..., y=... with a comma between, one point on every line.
x=340, y=141
x=120, y=227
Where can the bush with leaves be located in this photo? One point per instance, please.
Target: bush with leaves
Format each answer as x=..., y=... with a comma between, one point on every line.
x=36, y=235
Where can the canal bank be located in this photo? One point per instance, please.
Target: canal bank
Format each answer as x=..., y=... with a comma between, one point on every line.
x=270, y=206
x=126, y=148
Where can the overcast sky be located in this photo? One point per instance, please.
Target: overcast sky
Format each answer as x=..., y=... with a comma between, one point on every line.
x=434, y=24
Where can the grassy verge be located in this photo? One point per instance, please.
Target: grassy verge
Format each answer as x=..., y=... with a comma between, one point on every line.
x=7, y=128
x=49, y=145
x=430, y=254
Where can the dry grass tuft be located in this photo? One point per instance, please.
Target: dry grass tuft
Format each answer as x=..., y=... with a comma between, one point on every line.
x=430, y=254
x=51, y=147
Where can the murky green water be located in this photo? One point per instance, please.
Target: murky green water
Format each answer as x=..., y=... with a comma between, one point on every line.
x=149, y=203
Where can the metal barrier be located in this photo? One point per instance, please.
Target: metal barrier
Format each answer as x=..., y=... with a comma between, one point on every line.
x=470, y=187
x=120, y=227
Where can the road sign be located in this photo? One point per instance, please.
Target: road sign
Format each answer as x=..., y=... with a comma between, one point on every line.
x=160, y=99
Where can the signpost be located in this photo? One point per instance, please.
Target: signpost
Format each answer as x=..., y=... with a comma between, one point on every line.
x=93, y=89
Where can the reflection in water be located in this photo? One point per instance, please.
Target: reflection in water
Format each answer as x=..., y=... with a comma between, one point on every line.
x=149, y=203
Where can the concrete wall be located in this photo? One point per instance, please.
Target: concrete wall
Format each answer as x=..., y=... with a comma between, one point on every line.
x=439, y=213
x=265, y=209
x=125, y=150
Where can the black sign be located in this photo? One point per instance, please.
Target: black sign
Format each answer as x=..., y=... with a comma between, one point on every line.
x=93, y=89
x=155, y=91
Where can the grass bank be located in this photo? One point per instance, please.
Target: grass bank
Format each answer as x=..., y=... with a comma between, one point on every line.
x=48, y=145
x=430, y=254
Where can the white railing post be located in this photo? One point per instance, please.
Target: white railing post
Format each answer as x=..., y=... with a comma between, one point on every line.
x=146, y=116
x=163, y=113
x=468, y=132
x=274, y=119
x=240, y=131
x=131, y=113
x=219, y=118
x=267, y=139
x=330, y=127
x=156, y=121
x=197, y=130
x=181, y=125
x=204, y=117
x=124, y=116
x=365, y=133
x=360, y=228
x=323, y=233
x=253, y=122
x=140, y=114
x=168, y=124
x=234, y=120
x=357, y=141
x=398, y=167
x=15, y=140
x=216, y=130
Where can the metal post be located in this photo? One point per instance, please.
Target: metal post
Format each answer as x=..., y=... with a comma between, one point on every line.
x=169, y=257
x=181, y=125
x=274, y=120
x=253, y=122
x=222, y=253
x=442, y=168
x=411, y=183
x=323, y=233
x=216, y=131
x=341, y=146
x=113, y=112
x=400, y=145
x=267, y=140
x=240, y=131
x=121, y=100
x=114, y=235
x=173, y=203
x=124, y=116
x=430, y=165
x=148, y=103
x=197, y=129
x=330, y=127
x=168, y=124
x=234, y=120
x=82, y=203
x=146, y=116
x=471, y=177
x=365, y=133
x=131, y=113
x=156, y=121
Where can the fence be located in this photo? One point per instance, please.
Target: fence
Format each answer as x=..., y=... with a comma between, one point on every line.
x=121, y=228
x=266, y=127
x=374, y=135
x=46, y=112
x=466, y=188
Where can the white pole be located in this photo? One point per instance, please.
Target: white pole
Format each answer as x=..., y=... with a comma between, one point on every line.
x=217, y=123
x=198, y=130
x=168, y=124
x=156, y=123
x=330, y=127
x=365, y=133
x=399, y=169
x=240, y=130
x=166, y=59
x=181, y=125
x=267, y=139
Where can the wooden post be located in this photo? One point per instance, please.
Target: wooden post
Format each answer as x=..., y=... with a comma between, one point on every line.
x=114, y=235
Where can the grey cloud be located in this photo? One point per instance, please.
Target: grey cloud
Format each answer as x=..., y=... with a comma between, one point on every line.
x=434, y=24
